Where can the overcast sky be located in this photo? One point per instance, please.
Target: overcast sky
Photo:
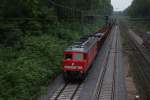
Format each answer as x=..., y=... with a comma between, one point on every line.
x=120, y=5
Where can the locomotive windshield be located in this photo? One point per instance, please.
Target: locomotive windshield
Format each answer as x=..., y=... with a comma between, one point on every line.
x=68, y=56
x=75, y=56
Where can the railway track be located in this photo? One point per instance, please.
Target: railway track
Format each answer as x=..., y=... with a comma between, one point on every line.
x=105, y=88
x=142, y=69
x=105, y=84
x=142, y=56
x=67, y=91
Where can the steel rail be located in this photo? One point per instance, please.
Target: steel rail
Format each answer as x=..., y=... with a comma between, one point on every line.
x=99, y=85
x=68, y=91
x=101, y=78
x=58, y=92
x=138, y=49
x=140, y=67
x=114, y=72
x=108, y=88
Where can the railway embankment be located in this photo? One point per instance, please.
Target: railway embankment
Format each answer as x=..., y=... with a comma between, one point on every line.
x=138, y=64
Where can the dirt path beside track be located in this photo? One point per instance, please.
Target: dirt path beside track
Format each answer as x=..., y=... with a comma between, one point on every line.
x=130, y=85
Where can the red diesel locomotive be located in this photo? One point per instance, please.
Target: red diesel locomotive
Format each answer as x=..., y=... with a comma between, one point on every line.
x=79, y=56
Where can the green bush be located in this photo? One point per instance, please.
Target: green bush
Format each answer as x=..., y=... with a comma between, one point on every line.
x=26, y=70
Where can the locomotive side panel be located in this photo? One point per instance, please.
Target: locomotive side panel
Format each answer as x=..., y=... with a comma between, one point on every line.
x=91, y=55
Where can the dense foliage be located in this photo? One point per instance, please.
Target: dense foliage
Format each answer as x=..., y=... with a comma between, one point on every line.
x=139, y=13
x=84, y=6
x=139, y=8
x=33, y=34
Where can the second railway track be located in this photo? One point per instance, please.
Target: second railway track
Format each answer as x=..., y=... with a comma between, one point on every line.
x=141, y=67
x=105, y=89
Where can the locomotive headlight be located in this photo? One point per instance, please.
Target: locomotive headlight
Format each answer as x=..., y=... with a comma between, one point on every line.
x=73, y=67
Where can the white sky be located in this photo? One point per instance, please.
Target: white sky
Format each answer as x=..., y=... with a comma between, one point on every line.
x=120, y=5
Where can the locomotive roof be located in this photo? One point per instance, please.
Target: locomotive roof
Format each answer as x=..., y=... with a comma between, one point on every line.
x=83, y=45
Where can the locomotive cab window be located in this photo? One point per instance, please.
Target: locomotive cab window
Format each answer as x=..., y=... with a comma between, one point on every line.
x=68, y=56
x=79, y=56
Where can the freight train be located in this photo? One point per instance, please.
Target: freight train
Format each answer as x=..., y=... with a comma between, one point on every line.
x=79, y=56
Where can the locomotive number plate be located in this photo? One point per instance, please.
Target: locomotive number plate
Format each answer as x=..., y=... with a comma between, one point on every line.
x=71, y=67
